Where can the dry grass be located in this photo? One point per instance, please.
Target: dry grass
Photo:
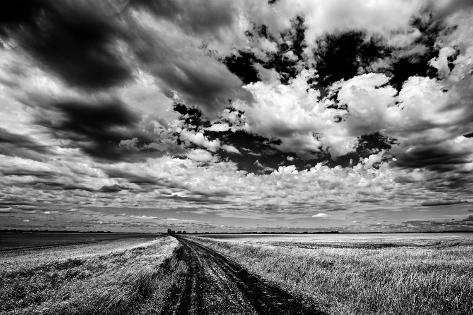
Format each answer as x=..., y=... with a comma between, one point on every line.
x=33, y=258
x=131, y=279
x=365, y=277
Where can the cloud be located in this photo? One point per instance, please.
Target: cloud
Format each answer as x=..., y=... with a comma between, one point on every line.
x=235, y=113
x=323, y=17
x=183, y=67
x=425, y=118
x=443, y=8
x=13, y=144
x=219, y=127
x=143, y=217
x=435, y=225
x=442, y=202
x=230, y=149
x=346, y=54
x=284, y=186
x=292, y=114
x=441, y=157
x=243, y=65
x=6, y=210
x=200, y=155
x=73, y=40
x=199, y=17
x=105, y=128
x=199, y=139
x=110, y=188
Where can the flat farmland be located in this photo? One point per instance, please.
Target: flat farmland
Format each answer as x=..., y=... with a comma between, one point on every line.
x=35, y=240
x=362, y=273
x=86, y=274
x=134, y=274
x=238, y=274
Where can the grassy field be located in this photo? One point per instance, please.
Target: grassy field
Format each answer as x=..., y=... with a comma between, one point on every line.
x=122, y=276
x=363, y=274
x=339, y=274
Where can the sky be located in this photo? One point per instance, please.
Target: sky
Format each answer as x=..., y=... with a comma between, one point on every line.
x=224, y=115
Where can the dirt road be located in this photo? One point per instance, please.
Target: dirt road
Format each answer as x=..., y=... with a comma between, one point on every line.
x=212, y=284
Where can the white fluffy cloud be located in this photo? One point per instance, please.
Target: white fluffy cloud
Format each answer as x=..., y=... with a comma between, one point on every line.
x=374, y=16
x=293, y=114
x=199, y=139
x=200, y=155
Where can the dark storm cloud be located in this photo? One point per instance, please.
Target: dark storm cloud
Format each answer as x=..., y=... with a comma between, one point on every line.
x=78, y=41
x=435, y=158
x=21, y=140
x=20, y=145
x=69, y=38
x=174, y=50
x=97, y=128
x=198, y=78
x=114, y=141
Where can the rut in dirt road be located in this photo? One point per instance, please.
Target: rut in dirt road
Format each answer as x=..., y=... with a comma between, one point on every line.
x=215, y=285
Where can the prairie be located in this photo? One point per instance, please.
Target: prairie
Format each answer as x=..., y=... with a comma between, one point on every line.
x=13, y=240
x=362, y=274
x=121, y=276
x=232, y=274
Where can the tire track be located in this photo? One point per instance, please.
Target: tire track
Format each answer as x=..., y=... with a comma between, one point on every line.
x=213, y=284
